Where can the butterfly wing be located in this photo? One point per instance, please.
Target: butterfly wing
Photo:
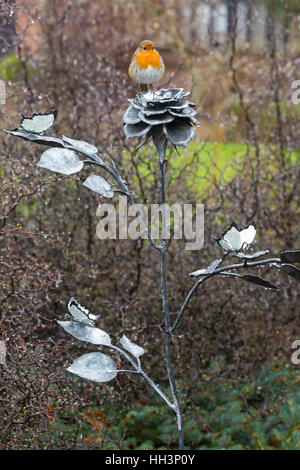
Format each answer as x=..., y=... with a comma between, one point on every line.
x=231, y=240
x=247, y=235
x=81, y=314
x=235, y=239
x=38, y=123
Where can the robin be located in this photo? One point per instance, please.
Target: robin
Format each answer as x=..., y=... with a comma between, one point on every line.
x=146, y=65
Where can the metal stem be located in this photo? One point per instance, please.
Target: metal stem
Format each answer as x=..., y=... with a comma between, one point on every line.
x=140, y=371
x=161, y=145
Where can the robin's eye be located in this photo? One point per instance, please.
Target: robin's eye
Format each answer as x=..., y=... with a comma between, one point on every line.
x=145, y=48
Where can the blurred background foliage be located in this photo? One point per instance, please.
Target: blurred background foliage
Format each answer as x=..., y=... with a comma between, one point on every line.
x=232, y=353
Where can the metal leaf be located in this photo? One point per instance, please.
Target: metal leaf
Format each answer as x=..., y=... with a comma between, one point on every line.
x=86, y=333
x=242, y=255
x=39, y=139
x=63, y=161
x=291, y=270
x=209, y=270
x=81, y=145
x=143, y=142
x=199, y=272
x=95, y=366
x=290, y=256
x=99, y=185
x=136, y=130
x=179, y=132
x=258, y=280
x=134, y=349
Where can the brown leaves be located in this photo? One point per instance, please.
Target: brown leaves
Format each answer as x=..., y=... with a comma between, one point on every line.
x=97, y=419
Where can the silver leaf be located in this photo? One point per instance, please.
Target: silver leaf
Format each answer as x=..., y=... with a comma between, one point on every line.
x=86, y=333
x=80, y=145
x=95, y=366
x=211, y=268
x=134, y=349
x=99, y=185
x=39, y=139
x=243, y=255
x=63, y=161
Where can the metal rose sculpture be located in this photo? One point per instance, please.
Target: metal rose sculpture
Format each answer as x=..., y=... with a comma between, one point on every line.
x=166, y=116
x=164, y=110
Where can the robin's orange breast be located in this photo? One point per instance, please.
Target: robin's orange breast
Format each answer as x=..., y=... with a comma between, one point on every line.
x=148, y=58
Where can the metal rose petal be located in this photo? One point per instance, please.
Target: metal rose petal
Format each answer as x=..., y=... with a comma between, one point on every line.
x=179, y=105
x=156, y=119
x=169, y=94
x=137, y=104
x=179, y=93
x=195, y=121
x=131, y=116
x=151, y=111
x=184, y=94
x=162, y=104
x=185, y=112
x=148, y=97
x=179, y=132
x=136, y=130
x=162, y=91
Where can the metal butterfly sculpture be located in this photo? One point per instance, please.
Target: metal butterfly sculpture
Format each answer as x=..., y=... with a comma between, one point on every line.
x=235, y=239
x=38, y=122
x=79, y=314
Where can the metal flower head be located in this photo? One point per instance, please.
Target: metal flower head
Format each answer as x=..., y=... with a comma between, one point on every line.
x=165, y=109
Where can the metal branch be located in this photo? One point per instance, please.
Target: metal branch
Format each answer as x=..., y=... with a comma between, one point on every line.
x=139, y=370
x=224, y=271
